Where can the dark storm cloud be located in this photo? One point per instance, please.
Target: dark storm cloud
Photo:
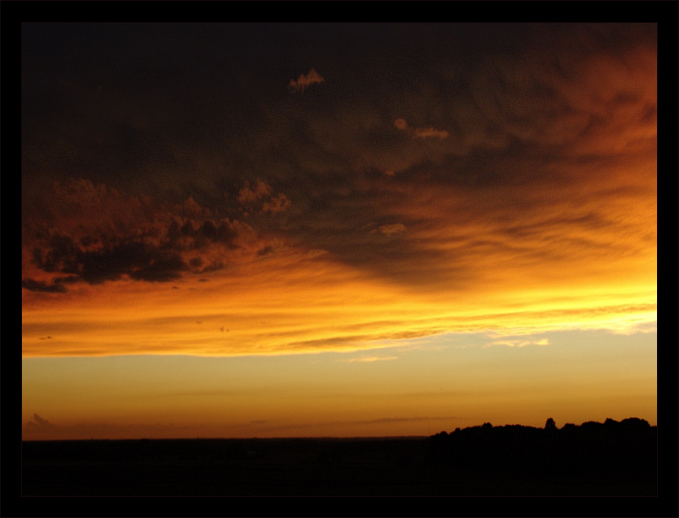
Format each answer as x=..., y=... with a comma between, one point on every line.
x=146, y=102
x=408, y=117
x=33, y=285
x=138, y=259
x=57, y=285
x=159, y=93
x=82, y=232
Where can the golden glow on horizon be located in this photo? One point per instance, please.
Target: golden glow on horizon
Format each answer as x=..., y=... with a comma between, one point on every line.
x=282, y=308
x=476, y=243
x=419, y=390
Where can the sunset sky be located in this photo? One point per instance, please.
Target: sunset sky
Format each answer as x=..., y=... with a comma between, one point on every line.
x=273, y=230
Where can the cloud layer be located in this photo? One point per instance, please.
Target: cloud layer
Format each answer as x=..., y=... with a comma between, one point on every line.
x=490, y=177
x=94, y=234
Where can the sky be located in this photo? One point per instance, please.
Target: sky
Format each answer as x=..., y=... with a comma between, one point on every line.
x=287, y=230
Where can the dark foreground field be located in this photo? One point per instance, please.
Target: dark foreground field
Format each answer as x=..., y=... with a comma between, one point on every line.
x=482, y=461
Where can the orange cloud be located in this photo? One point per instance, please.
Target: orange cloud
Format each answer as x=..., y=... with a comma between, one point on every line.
x=291, y=303
x=518, y=343
x=541, y=215
x=396, y=228
x=428, y=132
x=401, y=124
x=277, y=203
x=372, y=359
x=305, y=81
x=262, y=191
x=249, y=194
x=95, y=234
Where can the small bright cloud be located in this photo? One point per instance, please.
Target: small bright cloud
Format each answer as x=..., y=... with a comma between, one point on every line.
x=250, y=194
x=428, y=132
x=371, y=359
x=304, y=81
x=396, y=228
x=518, y=343
x=316, y=252
x=401, y=124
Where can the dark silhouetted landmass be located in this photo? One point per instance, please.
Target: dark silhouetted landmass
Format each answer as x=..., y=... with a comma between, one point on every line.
x=613, y=458
x=615, y=452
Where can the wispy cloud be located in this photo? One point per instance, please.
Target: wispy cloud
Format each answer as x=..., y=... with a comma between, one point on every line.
x=39, y=425
x=371, y=359
x=426, y=132
x=388, y=420
x=395, y=228
x=538, y=211
x=430, y=132
x=518, y=343
x=38, y=428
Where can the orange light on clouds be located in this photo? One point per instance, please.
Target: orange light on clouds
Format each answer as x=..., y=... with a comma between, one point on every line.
x=477, y=240
x=293, y=305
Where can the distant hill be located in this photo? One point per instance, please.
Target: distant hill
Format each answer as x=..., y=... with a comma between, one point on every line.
x=624, y=450
x=613, y=458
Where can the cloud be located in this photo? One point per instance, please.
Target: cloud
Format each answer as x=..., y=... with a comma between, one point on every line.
x=315, y=253
x=38, y=428
x=249, y=194
x=138, y=259
x=540, y=202
x=191, y=209
x=389, y=230
x=401, y=124
x=277, y=203
x=96, y=234
x=386, y=420
x=430, y=132
x=262, y=191
x=371, y=359
x=33, y=285
x=37, y=425
x=265, y=251
x=304, y=81
x=427, y=132
x=518, y=343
